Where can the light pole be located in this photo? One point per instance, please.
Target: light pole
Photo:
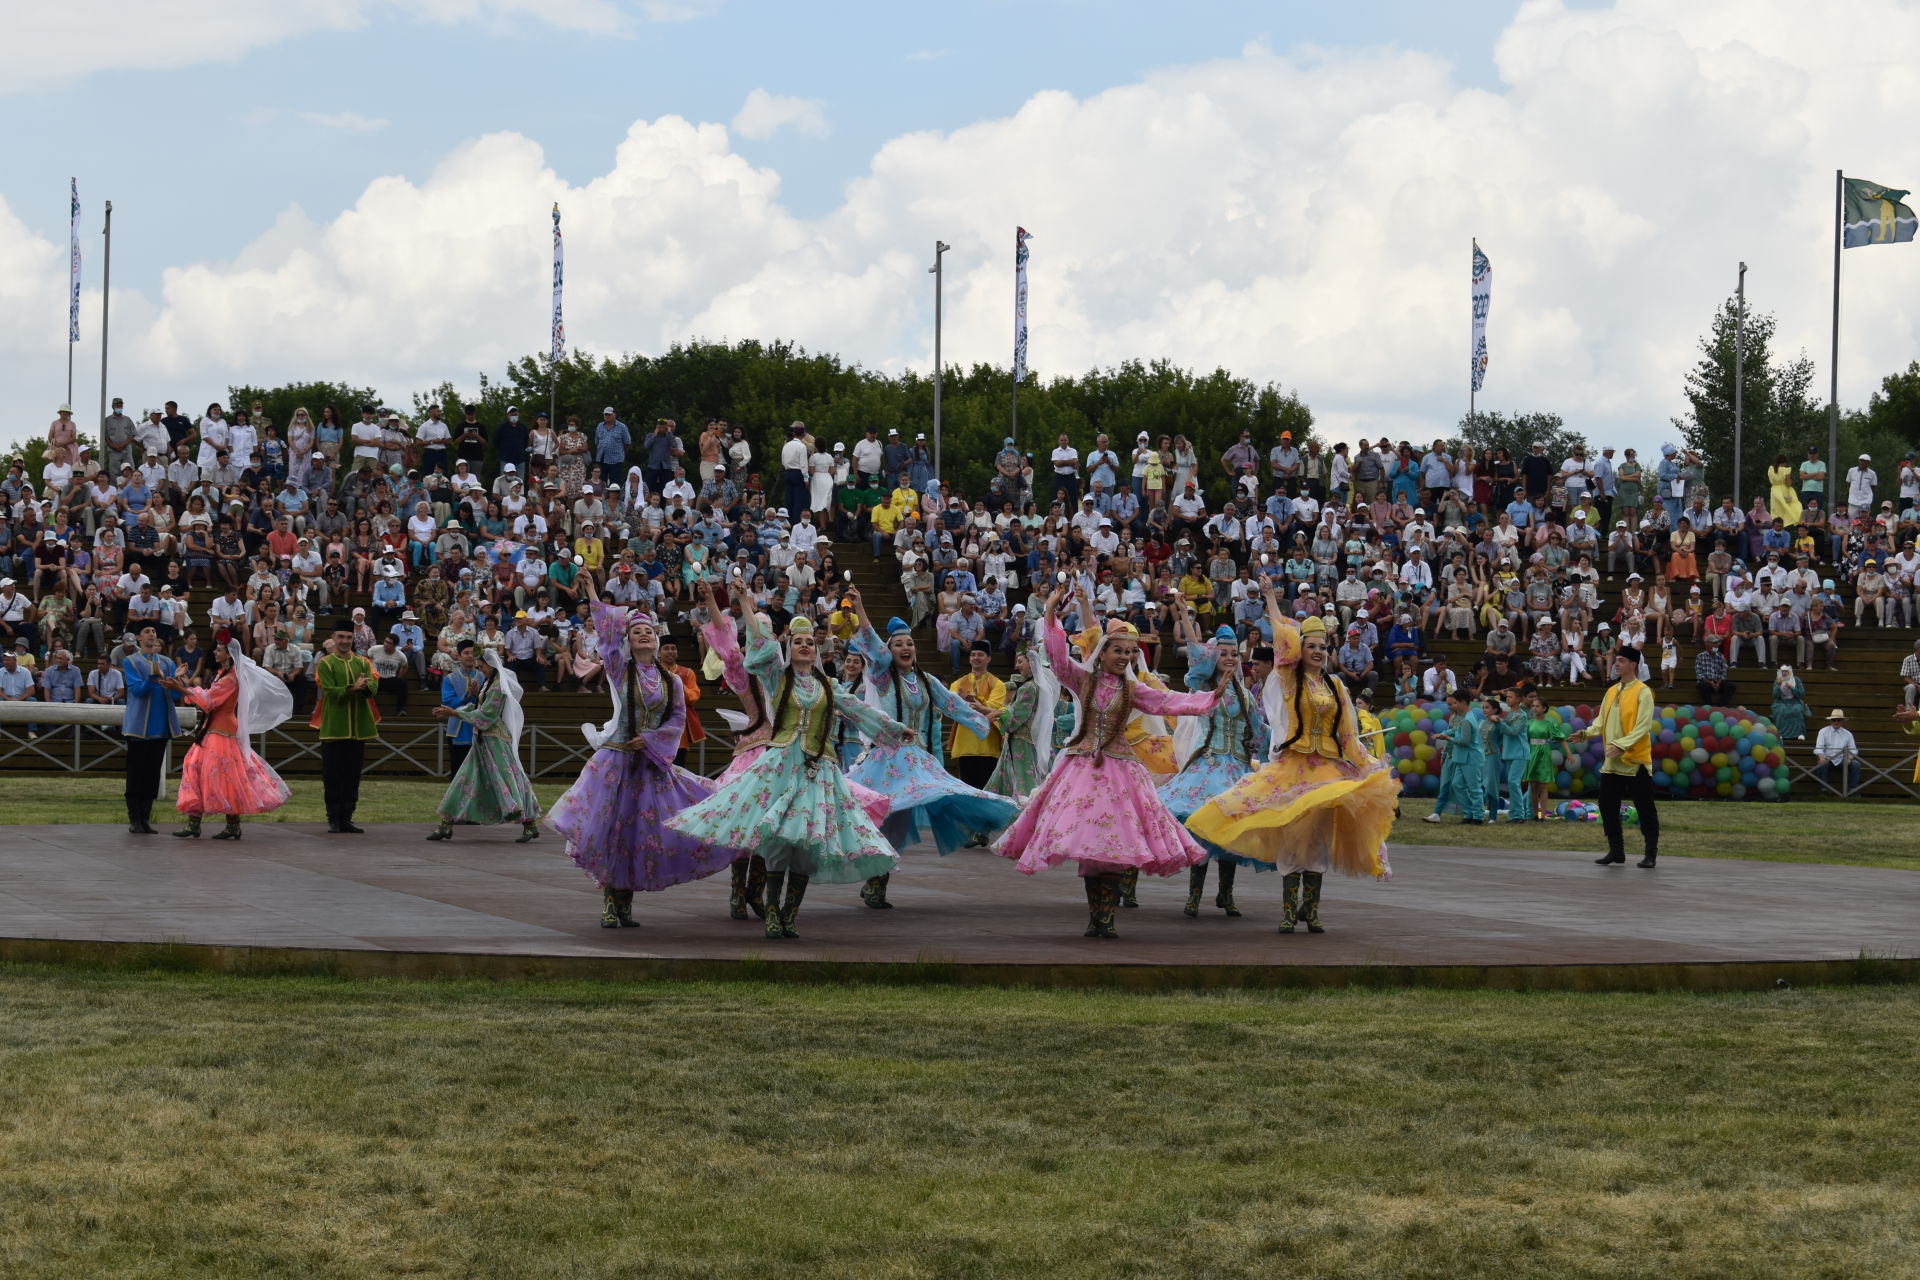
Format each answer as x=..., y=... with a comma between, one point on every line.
x=106, y=298
x=939, y=248
x=1739, y=375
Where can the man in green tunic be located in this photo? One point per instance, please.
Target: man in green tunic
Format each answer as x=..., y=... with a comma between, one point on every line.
x=490, y=787
x=347, y=720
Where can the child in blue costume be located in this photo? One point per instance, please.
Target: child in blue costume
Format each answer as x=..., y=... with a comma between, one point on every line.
x=1463, y=773
x=1222, y=751
x=928, y=802
x=1507, y=759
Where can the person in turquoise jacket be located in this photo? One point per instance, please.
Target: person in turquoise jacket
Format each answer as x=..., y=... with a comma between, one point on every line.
x=1463, y=771
x=1507, y=757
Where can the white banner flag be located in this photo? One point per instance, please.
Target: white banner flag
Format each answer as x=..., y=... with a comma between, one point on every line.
x=1482, y=299
x=1020, y=239
x=73, y=248
x=559, y=326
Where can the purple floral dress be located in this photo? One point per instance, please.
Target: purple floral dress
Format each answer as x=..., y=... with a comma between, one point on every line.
x=615, y=817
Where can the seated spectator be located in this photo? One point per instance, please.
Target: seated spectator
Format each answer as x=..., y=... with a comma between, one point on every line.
x=1837, y=755
x=1710, y=677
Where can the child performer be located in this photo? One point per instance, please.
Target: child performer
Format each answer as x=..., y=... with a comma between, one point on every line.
x=1322, y=803
x=792, y=805
x=1098, y=806
x=221, y=772
x=490, y=787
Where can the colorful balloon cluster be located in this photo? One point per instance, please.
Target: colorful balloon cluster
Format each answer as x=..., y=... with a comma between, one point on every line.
x=1702, y=752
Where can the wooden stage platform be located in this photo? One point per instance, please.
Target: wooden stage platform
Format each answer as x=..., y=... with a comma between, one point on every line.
x=291, y=898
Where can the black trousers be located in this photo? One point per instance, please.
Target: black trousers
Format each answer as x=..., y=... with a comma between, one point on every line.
x=1614, y=788
x=974, y=770
x=144, y=758
x=457, y=756
x=341, y=760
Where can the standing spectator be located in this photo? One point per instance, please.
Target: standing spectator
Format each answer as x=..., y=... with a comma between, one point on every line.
x=712, y=446
x=470, y=440
x=527, y=651
x=610, y=441
x=1837, y=755
x=869, y=455
x=117, y=438
x=1283, y=465
x=793, y=469
x=1536, y=471
x=1436, y=473
x=1813, y=480
x=510, y=440
x=1240, y=458
x=433, y=433
x=659, y=452
x=1861, y=480
x=1066, y=472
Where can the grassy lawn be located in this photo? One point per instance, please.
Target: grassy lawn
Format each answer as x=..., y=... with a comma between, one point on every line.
x=168, y=1125
x=1858, y=833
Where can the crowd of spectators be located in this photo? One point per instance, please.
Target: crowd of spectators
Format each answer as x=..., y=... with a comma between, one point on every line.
x=422, y=534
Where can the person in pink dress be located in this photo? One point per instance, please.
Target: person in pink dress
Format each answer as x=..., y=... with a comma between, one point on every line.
x=752, y=731
x=221, y=773
x=1099, y=806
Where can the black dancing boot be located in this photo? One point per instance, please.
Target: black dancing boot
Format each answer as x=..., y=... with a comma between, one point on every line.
x=1129, y=882
x=623, y=908
x=1224, y=898
x=1652, y=857
x=609, y=917
x=796, y=890
x=757, y=886
x=1092, y=884
x=874, y=893
x=1109, y=903
x=1196, y=885
x=775, y=882
x=1612, y=859
x=192, y=830
x=442, y=831
x=1310, y=901
x=231, y=831
x=1290, y=901
x=737, y=892
x=140, y=822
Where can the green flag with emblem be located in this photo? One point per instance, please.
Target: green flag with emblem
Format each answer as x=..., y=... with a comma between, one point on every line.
x=1874, y=215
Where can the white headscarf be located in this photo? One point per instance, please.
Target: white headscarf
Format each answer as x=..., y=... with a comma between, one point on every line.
x=264, y=701
x=515, y=718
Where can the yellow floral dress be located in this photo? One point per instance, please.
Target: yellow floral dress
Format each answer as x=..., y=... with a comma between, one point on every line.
x=1324, y=804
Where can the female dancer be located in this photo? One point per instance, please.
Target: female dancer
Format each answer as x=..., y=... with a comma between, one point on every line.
x=792, y=804
x=490, y=786
x=1098, y=806
x=1322, y=803
x=613, y=817
x=1026, y=727
x=751, y=737
x=927, y=800
x=1542, y=733
x=1219, y=755
x=221, y=773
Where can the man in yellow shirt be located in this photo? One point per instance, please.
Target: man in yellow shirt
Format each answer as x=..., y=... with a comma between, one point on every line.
x=971, y=757
x=1625, y=724
x=886, y=520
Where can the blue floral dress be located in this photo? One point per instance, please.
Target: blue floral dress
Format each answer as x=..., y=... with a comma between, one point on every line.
x=1235, y=734
x=928, y=802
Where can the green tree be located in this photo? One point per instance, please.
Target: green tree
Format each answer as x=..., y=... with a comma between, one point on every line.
x=1779, y=415
x=1517, y=433
x=1892, y=418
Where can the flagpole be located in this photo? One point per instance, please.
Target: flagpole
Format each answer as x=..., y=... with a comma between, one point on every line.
x=1739, y=374
x=939, y=247
x=106, y=295
x=1473, y=364
x=1829, y=490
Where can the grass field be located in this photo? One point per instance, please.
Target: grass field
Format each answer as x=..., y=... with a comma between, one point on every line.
x=1857, y=833
x=171, y=1125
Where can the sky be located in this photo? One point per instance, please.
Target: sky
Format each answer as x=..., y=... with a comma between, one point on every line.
x=360, y=190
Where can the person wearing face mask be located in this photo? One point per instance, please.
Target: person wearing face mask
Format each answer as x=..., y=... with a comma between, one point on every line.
x=1322, y=803
x=1098, y=807
x=510, y=441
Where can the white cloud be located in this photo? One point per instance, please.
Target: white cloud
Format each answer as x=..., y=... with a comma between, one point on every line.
x=764, y=114
x=1302, y=217
x=345, y=121
x=44, y=45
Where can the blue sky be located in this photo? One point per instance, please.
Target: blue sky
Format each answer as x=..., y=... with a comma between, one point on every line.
x=200, y=160
x=347, y=189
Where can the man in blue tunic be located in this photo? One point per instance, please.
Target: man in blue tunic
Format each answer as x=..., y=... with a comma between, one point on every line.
x=150, y=723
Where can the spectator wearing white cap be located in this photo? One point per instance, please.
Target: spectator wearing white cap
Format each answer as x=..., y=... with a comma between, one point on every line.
x=1861, y=480
x=1837, y=755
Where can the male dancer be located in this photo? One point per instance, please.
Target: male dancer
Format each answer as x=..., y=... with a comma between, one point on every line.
x=149, y=724
x=347, y=720
x=1625, y=725
x=461, y=687
x=973, y=757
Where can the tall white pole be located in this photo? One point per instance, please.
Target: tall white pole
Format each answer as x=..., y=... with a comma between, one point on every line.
x=106, y=297
x=1739, y=375
x=939, y=248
